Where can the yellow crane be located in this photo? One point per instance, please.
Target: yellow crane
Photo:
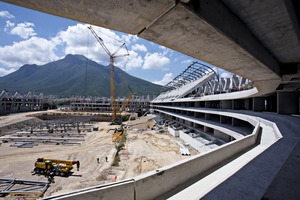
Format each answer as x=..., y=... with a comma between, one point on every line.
x=129, y=97
x=57, y=167
x=112, y=57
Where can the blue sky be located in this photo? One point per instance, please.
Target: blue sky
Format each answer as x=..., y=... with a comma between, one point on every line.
x=31, y=37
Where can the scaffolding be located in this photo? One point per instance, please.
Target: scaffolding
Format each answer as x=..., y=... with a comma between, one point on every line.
x=22, y=188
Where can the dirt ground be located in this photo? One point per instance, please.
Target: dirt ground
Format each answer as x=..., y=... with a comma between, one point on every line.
x=145, y=150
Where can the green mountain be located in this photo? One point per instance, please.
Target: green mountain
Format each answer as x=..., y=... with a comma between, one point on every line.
x=75, y=75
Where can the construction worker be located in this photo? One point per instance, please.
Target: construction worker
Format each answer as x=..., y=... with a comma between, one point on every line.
x=78, y=165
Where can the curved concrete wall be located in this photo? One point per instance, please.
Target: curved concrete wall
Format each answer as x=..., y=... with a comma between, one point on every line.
x=121, y=190
x=160, y=182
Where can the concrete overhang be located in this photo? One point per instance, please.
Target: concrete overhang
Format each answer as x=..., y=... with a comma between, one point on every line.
x=257, y=40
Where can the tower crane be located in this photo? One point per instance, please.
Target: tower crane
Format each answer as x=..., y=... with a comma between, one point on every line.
x=112, y=57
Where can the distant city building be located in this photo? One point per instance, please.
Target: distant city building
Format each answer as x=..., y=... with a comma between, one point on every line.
x=20, y=103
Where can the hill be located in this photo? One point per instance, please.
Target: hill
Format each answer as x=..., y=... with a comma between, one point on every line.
x=75, y=75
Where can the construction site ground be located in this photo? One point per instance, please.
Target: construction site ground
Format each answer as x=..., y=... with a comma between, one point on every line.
x=145, y=150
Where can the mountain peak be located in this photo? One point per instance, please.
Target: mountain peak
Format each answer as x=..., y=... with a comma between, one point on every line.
x=74, y=75
x=28, y=69
x=73, y=57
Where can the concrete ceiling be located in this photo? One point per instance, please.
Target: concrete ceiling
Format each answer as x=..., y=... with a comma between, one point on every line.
x=258, y=40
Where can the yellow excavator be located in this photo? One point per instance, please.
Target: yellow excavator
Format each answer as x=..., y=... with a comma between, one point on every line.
x=54, y=167
x=117, y=135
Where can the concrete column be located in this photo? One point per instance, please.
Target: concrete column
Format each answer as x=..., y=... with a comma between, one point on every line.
x=237, y=104
x=248, y=104
x=208, y=129
x=188, y=123
x=287, y=103
x=226, y=104
x=221, y=135
x=195, y=114
x=224, y=119
x=258, y=104
x=207, y=104
x=207, y=116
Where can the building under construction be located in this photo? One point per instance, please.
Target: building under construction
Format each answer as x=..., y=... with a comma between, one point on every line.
x=20, y=103
x=138, y=104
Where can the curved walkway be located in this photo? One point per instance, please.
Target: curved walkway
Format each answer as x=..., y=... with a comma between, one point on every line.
x=273, y=174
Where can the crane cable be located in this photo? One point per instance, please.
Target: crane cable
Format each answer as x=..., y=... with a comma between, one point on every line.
x=109, y=36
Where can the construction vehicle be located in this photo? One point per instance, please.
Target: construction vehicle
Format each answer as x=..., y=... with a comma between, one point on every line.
x=118, y=133
x=112, y=57
x=54, y=167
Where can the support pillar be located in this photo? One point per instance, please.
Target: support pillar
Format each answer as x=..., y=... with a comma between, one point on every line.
x=287, y=103
x=258, y=104
x=226, y=104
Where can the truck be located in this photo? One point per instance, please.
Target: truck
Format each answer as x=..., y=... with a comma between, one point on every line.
x=53, y=167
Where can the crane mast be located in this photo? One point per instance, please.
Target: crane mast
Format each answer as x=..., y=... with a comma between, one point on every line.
x=112, y=57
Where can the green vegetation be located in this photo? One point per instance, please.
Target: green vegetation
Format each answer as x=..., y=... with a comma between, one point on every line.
x=74, y=75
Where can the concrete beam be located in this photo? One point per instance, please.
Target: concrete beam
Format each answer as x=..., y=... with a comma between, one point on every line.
x=183, y=30
x=125, y=16
x=272, y=23
x=216, y=14
x=293, y=8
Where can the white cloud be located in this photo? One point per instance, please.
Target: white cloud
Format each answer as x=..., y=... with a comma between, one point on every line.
x=78, y=39
x=8, y=25
x=139, y=47
x=6, y=14
x=186, y=61
x=32, y=51
x=165, y=80
x=4, y=72
x=129, y=39
x=155, y=60
x=24, y=30
x=133, y=61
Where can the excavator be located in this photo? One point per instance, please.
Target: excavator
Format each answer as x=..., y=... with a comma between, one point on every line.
x=117, y=135
x=54, y=167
